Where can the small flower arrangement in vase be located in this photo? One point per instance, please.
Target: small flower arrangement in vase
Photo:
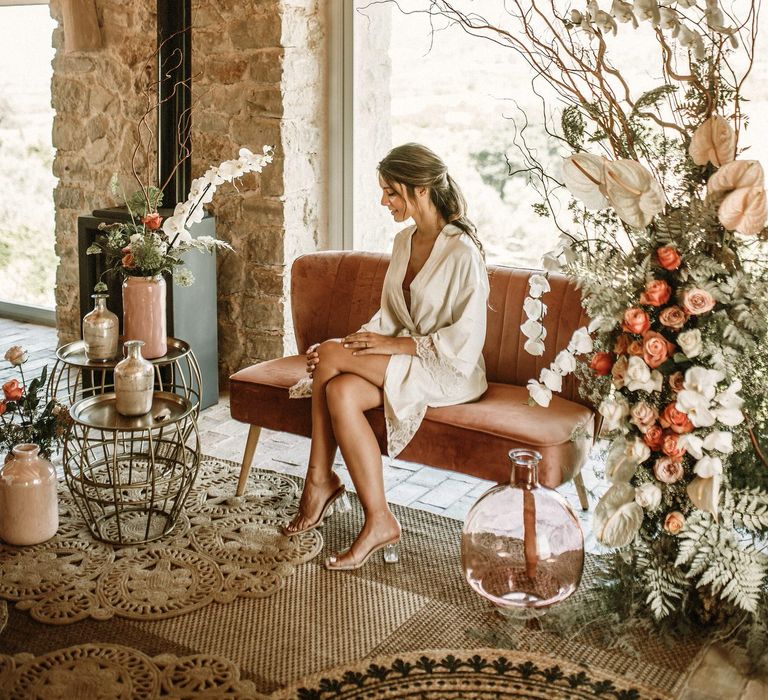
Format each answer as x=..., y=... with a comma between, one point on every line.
x=149, y=247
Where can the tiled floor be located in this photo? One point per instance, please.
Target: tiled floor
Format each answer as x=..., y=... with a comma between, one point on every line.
x=718, y=675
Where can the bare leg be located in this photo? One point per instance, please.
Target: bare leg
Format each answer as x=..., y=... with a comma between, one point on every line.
x=321, y=482
x=349, y=396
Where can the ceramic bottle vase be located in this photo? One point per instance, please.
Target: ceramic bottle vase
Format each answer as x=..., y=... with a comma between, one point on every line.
x=144, y=314
x=29, y=509
x=521, y=545
x=134, y=381
x=100, y=331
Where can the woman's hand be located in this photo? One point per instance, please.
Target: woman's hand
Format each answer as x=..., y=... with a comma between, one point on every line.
x=313, y=358
x=365, y=343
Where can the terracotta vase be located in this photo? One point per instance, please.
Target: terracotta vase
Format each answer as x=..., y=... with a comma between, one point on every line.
x=29, y=509
x=134, y=382
x=144, y=314
x=100, y=331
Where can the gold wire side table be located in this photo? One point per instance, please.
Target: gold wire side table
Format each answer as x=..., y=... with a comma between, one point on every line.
x=130, y=476
x=75, y=377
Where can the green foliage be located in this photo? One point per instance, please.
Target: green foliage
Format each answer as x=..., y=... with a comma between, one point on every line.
x=652, y=98
x=140, y=205
x=573, y=126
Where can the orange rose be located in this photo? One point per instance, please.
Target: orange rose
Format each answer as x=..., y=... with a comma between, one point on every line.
x=636, y=321
x=674, y=522
x=670, y=447
x=601, y=363
x=676, y=381
x=673, y=317
x=635, y=348
x=657, y=292
x=620, y=347
x=653, y=437
x=12, y=390
x=128, y=260
x=3, y=406
x=677, y=421
x=668, y=470
x=656, y=349
x=668, y=257
x=697, y=301
x=152, y=221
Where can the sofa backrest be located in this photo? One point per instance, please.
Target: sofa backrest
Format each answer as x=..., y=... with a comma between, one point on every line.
x=334, y=292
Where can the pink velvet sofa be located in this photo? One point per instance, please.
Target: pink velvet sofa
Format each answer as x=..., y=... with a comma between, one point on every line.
x=334, y=293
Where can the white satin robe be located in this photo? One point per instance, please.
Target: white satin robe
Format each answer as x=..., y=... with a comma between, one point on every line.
x=449, y=298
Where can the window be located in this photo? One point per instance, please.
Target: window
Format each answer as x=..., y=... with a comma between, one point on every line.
x=27, y=258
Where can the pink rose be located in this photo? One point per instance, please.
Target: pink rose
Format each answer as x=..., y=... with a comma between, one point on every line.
x=657, y=293
x=643, y=415
x=673, y=317
x=636, y=321
x=670, y=447
x=656, y=349
x=668, y=257
x=668, y=470
x=677, y=421
x=697, y=301
x=674, y=522
x=152, y=221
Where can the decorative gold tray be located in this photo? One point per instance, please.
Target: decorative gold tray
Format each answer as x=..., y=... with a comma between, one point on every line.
x=100, y=412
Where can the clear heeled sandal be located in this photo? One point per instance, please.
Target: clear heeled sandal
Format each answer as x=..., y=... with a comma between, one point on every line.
x=389, y=554
x=337, y=503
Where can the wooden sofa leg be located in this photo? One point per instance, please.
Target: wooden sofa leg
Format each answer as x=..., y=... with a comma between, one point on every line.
x=578, y=481
x=250, y=449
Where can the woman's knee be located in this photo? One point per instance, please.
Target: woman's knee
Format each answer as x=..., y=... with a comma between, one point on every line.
x=350, y=392
x=330, y=352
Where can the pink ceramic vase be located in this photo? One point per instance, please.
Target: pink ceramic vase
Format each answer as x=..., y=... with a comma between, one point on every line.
x=144, y=314
x=29, y=509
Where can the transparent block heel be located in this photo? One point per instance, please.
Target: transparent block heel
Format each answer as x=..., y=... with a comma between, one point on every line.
x=340, y=505
x=390, y=554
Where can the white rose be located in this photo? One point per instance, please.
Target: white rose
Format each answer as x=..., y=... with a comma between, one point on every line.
x=539, y=393
x=614, y=411
x=534, y=347
x=580, y=342
x=564, y=363
x=552, y=380
x=533, y=329
x=719, y=440
x=639, y=376
x=696, y=406
x=708, y=467
x=648, y=496
x=690, y=342
x=692, y=444
x=16, y=355
x=703, y=380
x=538, y=285
x=534, y=308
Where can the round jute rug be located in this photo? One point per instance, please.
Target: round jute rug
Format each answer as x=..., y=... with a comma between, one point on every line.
x=479, y=674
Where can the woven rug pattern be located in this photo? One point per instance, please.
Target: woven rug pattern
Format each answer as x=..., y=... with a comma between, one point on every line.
x=229, y=587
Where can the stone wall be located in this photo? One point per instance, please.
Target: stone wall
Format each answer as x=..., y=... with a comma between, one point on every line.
x=259, y=78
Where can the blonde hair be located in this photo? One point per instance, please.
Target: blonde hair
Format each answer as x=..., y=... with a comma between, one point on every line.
x=413, y=165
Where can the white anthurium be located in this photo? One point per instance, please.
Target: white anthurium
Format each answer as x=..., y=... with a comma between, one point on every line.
x=728, y=416
x=623, y=459
x=584, y=176
x=605, y=23
x=534, y=330
x=537, y=285
x=708, y=466
x=633, y=192
x=735, y=175
x=640, y=377
x=648, y=10
x=564, y=363
x=703, y=380
x=704, y=493
x=622, y=12
x=539, y=393
x=692, y=41
x=693, y=444
x=552, y=380
x=719, y=441
x=744, y=210
x=614, y=412
x=617, y=517
x=714, y=141
x=669, y=20
x=648, y=496
x=580, y=342
x=534, y=346
x=534, y=308
x=696, y=406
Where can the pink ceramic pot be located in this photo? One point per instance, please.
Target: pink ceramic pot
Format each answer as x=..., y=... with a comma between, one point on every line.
x=29, y=508
x=144, y=314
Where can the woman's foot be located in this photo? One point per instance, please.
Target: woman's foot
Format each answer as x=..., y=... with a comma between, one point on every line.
x=381, y=531
x=317, y=500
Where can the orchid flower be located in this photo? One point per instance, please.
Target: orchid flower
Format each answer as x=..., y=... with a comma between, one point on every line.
x=623, y=13
x=691, y=40
x=648, y=10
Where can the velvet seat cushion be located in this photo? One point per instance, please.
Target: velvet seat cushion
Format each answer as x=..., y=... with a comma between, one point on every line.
x=473, y=438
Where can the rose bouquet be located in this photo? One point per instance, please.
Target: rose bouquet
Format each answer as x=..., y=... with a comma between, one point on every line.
x=25, y=416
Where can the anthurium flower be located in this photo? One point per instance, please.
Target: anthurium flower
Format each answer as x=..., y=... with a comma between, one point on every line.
x=617, y=516
x=704, y=493
x=734, y=175
x=633, y=192
x=714, y=142
x=584, y=177
x=624, y=458
x=744, y=211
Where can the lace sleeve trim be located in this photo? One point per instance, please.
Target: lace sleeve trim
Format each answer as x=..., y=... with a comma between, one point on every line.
x=400, y=433
x=301, y=389
x=443, y=373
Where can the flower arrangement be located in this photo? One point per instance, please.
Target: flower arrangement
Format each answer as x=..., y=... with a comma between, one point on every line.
x=666, y=236
x=23, y=415
x=149, y=245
